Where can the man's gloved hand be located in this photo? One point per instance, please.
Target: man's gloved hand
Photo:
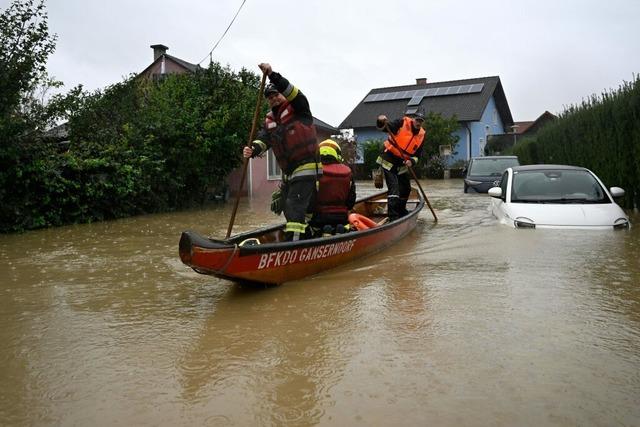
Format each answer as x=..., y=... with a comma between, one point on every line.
x=277, y=202
x=266, y=68
x=381, y=121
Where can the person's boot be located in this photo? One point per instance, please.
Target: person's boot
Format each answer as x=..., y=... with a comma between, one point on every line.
x=402, y=207
x=393, y=207
x=327, y=231
x=290, y=236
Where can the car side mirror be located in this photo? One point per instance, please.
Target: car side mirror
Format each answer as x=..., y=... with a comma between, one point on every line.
x=616, y=192
x=495, y=192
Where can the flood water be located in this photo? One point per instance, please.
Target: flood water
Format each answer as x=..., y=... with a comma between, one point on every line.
x=463, y=323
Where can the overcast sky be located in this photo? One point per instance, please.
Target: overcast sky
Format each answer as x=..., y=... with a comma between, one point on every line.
x=549, y=54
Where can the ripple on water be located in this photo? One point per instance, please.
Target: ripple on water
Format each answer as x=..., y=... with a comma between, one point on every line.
x=464, y=320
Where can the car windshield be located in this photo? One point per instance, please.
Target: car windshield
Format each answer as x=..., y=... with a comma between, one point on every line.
x=491, y=167
x=556, y=186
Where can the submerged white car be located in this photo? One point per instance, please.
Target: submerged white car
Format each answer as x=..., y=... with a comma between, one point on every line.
x=556, y=196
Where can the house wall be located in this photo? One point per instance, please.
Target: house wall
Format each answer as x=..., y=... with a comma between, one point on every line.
x=256, y=182
x=170, y=67
x=462, y=149
x=489, y=124
x=260, y=182
x=365, y=134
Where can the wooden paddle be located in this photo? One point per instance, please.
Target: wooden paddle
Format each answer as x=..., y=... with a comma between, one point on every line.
x=252, y=135
x=413, y=174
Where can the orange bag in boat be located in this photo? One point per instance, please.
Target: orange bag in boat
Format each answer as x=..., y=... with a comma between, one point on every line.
x=361, y=222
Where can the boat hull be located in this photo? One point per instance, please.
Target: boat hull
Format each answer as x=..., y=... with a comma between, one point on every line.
x=279, y=262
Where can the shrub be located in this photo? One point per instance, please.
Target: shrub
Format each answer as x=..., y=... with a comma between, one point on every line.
x=371, y=149
x=435, y=167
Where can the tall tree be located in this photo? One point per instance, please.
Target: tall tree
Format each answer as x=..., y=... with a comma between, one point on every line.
x=25, y=45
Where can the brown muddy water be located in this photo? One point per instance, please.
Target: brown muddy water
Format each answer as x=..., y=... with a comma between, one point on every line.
x=463, y=323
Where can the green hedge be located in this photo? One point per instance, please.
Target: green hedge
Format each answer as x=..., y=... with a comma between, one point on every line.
x=137, y=147
x=601, y=134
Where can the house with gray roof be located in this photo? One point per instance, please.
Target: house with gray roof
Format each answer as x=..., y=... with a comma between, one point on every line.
x=497, y=143
x=163, y=64
x=479, y=104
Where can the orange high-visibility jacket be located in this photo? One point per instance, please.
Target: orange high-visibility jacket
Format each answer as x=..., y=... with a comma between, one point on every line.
x=407, y=142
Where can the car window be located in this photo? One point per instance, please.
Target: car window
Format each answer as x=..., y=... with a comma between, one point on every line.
x=491, y=167
x=556, y=186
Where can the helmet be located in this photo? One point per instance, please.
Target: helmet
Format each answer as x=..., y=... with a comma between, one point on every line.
x=270, y=89
x=330, y=148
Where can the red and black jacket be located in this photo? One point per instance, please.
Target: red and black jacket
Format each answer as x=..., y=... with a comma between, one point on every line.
x=288, y=128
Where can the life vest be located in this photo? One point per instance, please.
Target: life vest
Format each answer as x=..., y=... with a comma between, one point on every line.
x=406, y=140
x=333, y=193
x=361, y=222
x=292, y=141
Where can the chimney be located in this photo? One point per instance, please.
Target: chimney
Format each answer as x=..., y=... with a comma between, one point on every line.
x=421, y=81
x=158, y=50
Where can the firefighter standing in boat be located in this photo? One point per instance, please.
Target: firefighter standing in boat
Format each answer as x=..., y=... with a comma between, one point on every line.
x=289, y=131
x=401, y=152
x=337, y=193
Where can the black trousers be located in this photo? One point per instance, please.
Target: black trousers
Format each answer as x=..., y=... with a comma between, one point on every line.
x=399, y=187
x=299, y=197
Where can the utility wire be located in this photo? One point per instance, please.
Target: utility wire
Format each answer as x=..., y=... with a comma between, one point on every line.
x=223, y=34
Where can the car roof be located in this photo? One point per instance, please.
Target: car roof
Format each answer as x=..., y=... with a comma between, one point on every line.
x=546, y=167
x=494, y=157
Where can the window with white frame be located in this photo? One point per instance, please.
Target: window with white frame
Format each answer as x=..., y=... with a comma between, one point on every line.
x=273, y=168
x=495, y=117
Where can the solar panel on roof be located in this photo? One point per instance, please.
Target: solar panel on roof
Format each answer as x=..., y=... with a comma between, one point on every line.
x=416, y=100
x=416, y=96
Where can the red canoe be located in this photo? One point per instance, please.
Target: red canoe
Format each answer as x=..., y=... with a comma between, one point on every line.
x=261, y=256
